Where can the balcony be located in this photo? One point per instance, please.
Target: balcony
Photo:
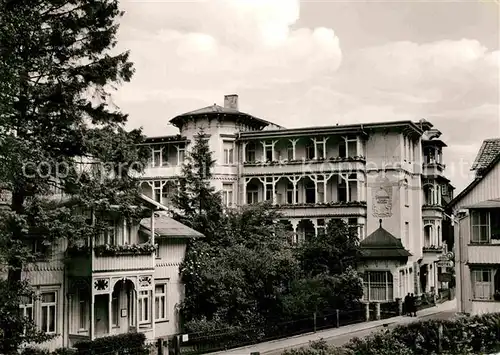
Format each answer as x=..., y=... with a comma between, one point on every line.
x=162, y=171
x=256, y=168
x=432, y=210
x=433, y=169
x=107, y=258
x=352, y=208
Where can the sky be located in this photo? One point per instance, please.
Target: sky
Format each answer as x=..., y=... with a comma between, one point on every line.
x=316, y=63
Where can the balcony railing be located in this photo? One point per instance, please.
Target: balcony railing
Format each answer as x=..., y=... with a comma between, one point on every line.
x=323, y=204
x=108, y=257
x=432, y=206
x=433, y=248
x=304, y=161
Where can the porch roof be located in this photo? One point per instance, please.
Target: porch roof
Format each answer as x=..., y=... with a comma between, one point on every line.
x=383, y=245
x=167, y=227
x=493, y=203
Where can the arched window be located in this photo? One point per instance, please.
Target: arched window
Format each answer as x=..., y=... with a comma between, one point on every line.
x=428, y=242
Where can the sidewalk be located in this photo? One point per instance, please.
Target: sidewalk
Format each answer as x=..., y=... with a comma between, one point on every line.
x=304, y=339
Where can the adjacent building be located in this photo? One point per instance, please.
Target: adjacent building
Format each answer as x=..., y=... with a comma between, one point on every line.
x=386, y=179
x=477, y=234
x=125, y=279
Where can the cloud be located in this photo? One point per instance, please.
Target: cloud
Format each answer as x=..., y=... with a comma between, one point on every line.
x=189, y=54
x=223, y=43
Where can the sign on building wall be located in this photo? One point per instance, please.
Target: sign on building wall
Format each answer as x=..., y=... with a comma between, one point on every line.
x=382, y=197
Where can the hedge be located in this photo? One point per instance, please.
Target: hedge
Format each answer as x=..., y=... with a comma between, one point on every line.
x=464, y=335
x=128, y=343
x=123, y=343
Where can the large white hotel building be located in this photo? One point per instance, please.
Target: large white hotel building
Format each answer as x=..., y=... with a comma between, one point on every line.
x=385, y=178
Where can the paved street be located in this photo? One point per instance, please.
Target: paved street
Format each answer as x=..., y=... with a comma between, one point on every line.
x=340, y=336
x=343, y=339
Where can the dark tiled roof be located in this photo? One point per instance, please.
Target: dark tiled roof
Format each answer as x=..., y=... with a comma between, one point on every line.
x=216, y=109
x=487, y=153
x=383, y=245
x=479, y=177
x=168, y=227
x=211, y=109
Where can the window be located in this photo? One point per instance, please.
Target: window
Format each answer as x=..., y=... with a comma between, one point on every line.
x=227, y=194
x=27, y=307
x=341, y=190
x=269, y=152
x=348, y=147
x=48, y=305
x=310, y=192
x=353, y=225
x=250, y=152
x=157, y=251
x=377, y=286
x=480, y=222
x=289, y=151
x=269, y=192
x=110, y=233
x=181, y=151
x=429, y=194
x=158, y=190
x=157, y=156
x=127, y=231
x=39, y=249
x=161, y=302
x=144, y=315
x=482, y=288
x=427, y=235
x=407, y=234
x=310, y=151
x=321, y=227
x=228, y=152
x=115, y=308
x=320, y=148
x=406, y=192
x=289, y=194
x=83, y=299
x=252, y=194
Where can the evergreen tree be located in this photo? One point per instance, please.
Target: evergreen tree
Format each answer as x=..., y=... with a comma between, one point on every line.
x=196, y=202
x=56, y=120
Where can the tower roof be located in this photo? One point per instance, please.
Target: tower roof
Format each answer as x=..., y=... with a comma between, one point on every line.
x=383, y=245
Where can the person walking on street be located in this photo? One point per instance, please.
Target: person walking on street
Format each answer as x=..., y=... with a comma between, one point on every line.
x=413, y=306
x=406, y=305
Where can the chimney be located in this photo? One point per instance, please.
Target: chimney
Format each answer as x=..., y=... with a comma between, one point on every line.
x=231, y=101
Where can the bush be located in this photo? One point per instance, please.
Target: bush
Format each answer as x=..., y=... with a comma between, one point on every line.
x=319, y=347
x=465, y=335
x=122, y=343
x=34, y=351
x=37, y=351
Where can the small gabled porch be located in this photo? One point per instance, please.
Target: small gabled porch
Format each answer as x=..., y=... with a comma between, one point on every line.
x=384, y=259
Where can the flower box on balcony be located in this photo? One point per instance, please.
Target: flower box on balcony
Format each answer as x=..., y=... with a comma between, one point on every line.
x=127, y=249
x=323, y=204
x=304, y=161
